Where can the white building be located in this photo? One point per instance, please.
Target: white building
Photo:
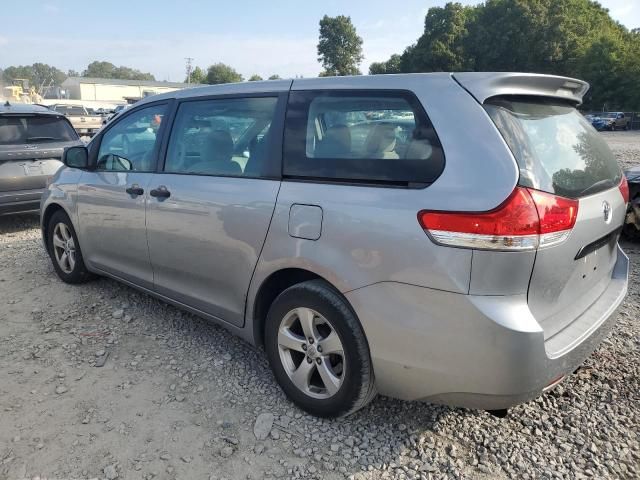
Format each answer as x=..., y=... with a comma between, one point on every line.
x=115, y=91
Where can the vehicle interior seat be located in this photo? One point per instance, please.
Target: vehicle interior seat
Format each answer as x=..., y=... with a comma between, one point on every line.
x=421, y=144
x=336, y=143
x=11, y=129
x=216, y=155
x=257, y=156
x=381, y=142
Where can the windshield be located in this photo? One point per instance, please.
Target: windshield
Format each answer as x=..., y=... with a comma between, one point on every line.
x=608, y=115
x=557, y=149
x=34, y=129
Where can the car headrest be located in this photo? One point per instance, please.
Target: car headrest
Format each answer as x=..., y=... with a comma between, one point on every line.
x=336, y=143
x=381, y=139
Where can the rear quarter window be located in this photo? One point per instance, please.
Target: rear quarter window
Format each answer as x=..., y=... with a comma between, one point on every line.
x=557, y=149
x=360, y=137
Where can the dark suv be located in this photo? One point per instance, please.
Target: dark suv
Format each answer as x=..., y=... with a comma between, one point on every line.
x=32, y=139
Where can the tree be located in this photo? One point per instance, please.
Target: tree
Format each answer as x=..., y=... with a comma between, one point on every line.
x=38, y=74
x=390, y=66
x=198, y=76
x=576, y=38
x=274, y=77
x=340, y=47
x=255, y=78
x=72, y=73
x=442, y=45
x=99, y=69
x=221, y=73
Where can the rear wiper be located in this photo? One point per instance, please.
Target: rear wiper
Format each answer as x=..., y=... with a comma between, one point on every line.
x=596, y=187
x=40, y=139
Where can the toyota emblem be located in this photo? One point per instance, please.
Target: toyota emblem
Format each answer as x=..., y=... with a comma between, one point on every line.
x=606, y=210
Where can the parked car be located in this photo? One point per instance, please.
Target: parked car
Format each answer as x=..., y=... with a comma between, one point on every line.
x=615, y=120
x=83, y=122
x=632, y=224
x=438, y=237
x=598, y=123
x=116, y=111
x=32, y=139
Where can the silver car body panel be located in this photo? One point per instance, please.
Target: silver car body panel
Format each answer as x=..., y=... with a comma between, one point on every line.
x=205, y=240
x=562, y=287
x=444, y=324
x=24, y=173
x=113, y=225
x=474, y=351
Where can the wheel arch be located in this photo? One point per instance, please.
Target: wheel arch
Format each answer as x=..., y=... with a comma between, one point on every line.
x=272, y=286
x=46, y=218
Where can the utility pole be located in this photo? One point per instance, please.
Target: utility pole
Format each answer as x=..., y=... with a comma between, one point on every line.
x=189, y=68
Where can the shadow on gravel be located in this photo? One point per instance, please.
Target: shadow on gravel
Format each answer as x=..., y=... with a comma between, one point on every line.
x=18, y=222
x=382, y=432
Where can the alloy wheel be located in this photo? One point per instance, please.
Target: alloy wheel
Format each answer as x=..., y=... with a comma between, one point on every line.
x=64, y=248
x=311, y=353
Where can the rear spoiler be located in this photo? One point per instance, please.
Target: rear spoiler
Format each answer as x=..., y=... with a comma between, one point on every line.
x=483, y=86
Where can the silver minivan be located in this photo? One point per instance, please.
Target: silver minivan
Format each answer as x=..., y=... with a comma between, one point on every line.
x=451, y=238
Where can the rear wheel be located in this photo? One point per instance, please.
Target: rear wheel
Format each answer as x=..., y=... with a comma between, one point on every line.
x=64, y=250
x=318, y=351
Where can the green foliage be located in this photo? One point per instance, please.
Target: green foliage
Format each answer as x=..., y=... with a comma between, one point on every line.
x=390, y=66
x=221, y=73
x=37, y=74
x=98, y=69
x=340, y=47
x=442, y=46
x=197, y=76
x=255, y=77
x=274, y=77
x=576, y=38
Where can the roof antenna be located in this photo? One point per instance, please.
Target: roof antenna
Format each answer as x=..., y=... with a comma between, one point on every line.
x=7, y=104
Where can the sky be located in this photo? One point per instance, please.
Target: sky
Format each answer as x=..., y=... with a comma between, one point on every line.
x=255, y=37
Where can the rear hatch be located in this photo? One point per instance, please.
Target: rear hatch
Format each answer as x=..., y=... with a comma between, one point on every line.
x=31, y=147
x=559, y=152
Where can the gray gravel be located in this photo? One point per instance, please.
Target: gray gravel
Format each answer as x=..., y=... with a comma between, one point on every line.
x=176, y=397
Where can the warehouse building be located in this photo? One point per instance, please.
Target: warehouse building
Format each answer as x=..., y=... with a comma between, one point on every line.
x=116, y=91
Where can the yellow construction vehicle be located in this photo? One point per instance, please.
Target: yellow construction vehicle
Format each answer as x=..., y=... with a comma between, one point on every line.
x=20, y=92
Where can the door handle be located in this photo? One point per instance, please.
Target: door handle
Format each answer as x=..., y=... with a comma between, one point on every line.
x=134, y=190
x=160, y=192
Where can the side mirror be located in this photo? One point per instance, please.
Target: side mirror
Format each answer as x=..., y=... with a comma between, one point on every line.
x=76, y=157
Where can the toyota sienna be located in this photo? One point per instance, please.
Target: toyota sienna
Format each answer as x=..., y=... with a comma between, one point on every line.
x=451, y=238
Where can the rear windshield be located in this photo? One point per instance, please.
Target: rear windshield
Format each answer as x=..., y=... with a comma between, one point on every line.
x=557, y=149
x=34, y=129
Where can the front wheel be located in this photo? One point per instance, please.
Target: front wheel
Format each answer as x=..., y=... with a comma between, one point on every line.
x=318, y=351
x=64, y=250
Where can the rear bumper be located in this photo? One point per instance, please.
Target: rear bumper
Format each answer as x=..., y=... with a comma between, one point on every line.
x=485, y=352
x=20, y=201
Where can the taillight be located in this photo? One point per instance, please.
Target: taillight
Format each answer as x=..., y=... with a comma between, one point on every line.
x=624, y=189
x=528, y=219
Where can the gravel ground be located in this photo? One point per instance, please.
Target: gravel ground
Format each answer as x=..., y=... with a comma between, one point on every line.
x=100, y=381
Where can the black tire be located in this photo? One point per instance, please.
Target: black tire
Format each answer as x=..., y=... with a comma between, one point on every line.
x=358, y=384
x=79, y=272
